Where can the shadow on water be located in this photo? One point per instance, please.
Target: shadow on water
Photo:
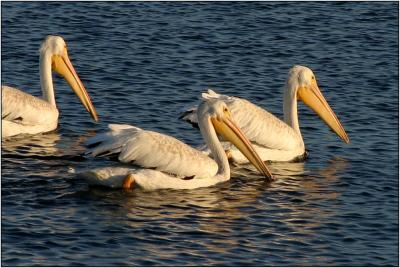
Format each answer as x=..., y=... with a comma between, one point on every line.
x=45, y=146
x=224, y=200
x=288, y=212
x=28, y=146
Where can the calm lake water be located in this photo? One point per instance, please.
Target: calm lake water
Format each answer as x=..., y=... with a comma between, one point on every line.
x=143, y=63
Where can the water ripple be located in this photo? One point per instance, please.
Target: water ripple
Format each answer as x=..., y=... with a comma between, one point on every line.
x=142, y=63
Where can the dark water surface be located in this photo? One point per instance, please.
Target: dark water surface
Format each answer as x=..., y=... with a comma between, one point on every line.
x=143, y=63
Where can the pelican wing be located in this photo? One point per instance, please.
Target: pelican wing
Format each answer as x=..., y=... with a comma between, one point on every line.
x=150, y=149
x=260, y=126
x=22, y=108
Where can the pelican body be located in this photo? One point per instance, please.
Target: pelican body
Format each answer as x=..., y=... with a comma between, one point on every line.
x=23, y=113
x=164, y=162
x=274, y=139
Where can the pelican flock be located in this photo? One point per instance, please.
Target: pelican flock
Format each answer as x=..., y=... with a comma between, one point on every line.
x=274, y=139
x=23, y=113
x=157, y=161
x=165, y=162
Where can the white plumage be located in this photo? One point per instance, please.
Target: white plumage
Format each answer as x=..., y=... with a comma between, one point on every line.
x=153, y=150
x=260, y=126
x=274, y=139
x=25, y=114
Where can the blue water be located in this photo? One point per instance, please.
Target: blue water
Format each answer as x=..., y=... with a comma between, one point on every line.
x=143, y=63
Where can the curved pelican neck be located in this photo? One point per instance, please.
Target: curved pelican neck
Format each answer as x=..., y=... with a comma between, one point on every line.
x=290, y=105
x=46, y=80
x=212, y=141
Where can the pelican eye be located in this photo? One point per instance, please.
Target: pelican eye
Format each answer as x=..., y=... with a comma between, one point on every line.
x=225, y=109
x=312, y=77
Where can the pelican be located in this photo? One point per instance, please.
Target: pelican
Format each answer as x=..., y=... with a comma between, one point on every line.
x=274, y=139
x=165, y=162
x=23, y=113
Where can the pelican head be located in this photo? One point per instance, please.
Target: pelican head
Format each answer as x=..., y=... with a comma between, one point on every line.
x=55, y=48
x=306, y=89
x=217, y=113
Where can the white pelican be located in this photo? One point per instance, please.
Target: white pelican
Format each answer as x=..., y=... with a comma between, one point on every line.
x=25, y=114
x=167, y=162
x=274, y=139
